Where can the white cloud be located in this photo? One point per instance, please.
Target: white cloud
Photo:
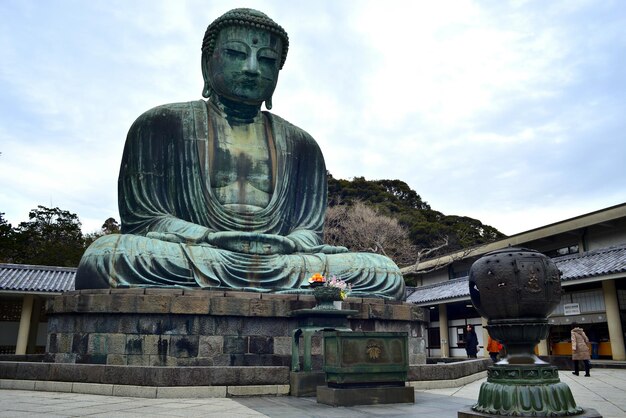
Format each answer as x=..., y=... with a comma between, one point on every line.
x=503, y=111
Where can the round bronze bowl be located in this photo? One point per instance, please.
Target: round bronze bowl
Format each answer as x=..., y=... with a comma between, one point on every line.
x=514, y=283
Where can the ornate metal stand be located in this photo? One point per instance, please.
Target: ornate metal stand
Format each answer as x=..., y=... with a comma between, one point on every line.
x=525, y=390
x=522, y=384
x=515, y=289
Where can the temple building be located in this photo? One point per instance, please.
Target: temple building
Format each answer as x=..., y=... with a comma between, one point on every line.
x=24, y=290
x=590, y=252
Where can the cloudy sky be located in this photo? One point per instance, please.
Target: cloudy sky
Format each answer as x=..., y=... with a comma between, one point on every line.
x=510, y=112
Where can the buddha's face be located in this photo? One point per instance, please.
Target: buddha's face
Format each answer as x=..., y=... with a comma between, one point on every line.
x=244, y=65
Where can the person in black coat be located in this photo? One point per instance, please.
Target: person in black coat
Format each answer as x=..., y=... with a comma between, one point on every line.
x=471, y=342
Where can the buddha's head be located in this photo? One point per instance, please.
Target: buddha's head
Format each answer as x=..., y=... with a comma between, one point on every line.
x=242, y=52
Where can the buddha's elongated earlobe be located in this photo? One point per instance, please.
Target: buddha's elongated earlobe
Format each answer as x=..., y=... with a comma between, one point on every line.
x=268, y=104
x=206, y=92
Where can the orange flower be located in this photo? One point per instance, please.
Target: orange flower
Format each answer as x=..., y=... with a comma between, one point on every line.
x=317, y=278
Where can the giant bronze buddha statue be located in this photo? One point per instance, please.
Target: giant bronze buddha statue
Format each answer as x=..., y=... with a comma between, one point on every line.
x=218, y=194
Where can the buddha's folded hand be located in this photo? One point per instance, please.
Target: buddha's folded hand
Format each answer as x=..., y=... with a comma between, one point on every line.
x=178, y=238
x=252, y=243
x=324, y=249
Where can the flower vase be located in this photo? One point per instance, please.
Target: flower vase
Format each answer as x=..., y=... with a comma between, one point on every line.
x=325, y=296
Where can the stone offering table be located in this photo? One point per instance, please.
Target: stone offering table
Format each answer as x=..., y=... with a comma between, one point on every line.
x=365, y=368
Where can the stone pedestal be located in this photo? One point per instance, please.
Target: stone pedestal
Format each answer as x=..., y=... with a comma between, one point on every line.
x=180, y=327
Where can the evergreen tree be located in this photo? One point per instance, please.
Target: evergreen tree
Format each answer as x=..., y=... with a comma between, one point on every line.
x=51, y=237
x=6, y=240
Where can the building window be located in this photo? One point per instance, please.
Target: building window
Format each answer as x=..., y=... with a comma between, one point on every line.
x=456, y=274
x=572, y=249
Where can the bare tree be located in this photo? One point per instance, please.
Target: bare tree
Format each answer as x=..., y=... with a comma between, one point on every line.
x=361, y=228
x=441, y=262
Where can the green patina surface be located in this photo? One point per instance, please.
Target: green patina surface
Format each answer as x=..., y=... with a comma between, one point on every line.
x=525, y=390
x=365, y=358
x=218, y=194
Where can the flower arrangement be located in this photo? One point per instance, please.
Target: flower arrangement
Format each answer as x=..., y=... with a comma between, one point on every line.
x=317, y=279
x=333, y=283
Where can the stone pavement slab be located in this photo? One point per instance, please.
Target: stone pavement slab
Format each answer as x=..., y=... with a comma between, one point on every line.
x=604, y=391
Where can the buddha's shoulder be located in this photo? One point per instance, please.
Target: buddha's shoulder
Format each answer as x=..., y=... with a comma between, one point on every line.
x=171, y=110
x=290, y=128
x=167, y=121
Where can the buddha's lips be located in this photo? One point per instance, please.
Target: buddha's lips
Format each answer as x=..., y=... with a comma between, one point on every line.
x=249, y=82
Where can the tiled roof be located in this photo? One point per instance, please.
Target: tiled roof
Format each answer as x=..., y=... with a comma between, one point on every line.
x=576, y=266
x=27, y=278
x=440, y=291
x=592, y=263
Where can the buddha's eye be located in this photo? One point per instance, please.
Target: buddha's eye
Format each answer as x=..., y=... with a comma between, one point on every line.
x=267, y=60
x=235, y=54
x=267, y=57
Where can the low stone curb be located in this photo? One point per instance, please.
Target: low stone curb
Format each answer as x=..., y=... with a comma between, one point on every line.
x=163, y=392
x=138, y=375
x=447, y=371
x=176, y=392
x=450, y=383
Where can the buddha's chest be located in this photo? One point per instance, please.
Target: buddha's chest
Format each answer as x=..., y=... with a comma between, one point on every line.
x=241, y=168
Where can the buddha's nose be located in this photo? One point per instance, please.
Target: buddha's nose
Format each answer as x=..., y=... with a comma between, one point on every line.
x=251, y=66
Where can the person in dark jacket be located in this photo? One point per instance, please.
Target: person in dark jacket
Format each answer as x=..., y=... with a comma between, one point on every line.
x=471, y=342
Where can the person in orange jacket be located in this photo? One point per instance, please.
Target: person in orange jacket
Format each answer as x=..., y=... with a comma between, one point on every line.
x=493, y=347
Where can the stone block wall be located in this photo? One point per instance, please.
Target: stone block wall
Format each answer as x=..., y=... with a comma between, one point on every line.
x=176, y=327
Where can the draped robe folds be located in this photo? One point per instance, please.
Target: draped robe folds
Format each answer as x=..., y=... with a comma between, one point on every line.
x=164, y=187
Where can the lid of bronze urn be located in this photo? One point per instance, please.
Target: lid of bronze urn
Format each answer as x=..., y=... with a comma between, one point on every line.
x=515, y=283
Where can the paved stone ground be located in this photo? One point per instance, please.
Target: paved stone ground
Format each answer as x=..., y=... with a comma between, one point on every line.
x=605, y=391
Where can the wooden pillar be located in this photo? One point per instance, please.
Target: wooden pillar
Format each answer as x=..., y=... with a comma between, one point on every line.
x=543, y=348
x=22, y=334
x=613, y=320
x=485, y=336
x=443, y=331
